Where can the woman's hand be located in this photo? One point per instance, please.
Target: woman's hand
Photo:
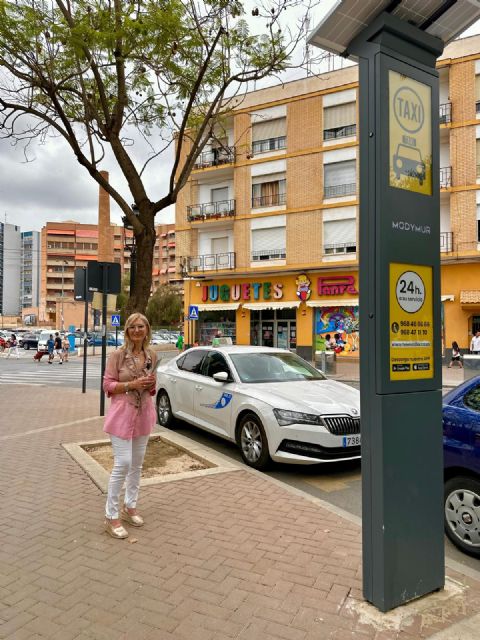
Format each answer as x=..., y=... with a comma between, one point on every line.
x=143, y=383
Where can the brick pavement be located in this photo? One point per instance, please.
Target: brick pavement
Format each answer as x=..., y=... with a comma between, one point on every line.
x=227, y=556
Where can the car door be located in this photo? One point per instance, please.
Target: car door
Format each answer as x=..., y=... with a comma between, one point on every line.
x=213, y=400
x=461, y=430
x=181, y=383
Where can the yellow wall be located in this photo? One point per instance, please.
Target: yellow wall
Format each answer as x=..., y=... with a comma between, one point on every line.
x=458, y=318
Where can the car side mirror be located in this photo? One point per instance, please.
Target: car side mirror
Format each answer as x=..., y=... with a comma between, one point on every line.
x=221, y=376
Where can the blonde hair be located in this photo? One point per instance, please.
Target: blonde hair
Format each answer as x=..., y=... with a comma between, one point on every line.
x=128, y=344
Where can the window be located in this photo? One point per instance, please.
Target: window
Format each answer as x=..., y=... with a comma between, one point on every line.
x=477, y=94
x=340, y=179
x=214, y=363
x=269, y=135
x=191, y=361
x=269, y=244
x=477, y=143
x=478, y=222
x=339, y=236
x=339, y=121
x=472, y=399
x=269, y=194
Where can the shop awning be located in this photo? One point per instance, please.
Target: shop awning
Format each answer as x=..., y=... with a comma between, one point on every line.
x=278, y=304
x=221, y=306
x=470, y=296
x=337, y=302
x=448, y=297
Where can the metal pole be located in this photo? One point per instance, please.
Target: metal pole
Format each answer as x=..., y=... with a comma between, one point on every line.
x=62, y=324
x=104, y=335
x=85, y=331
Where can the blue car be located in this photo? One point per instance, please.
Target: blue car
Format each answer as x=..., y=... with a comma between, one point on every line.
x=461, y=446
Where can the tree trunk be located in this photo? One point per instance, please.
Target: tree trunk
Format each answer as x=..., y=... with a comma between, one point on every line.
x=145, y=242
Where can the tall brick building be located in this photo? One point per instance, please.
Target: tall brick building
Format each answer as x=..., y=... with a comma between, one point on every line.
x=267, y=226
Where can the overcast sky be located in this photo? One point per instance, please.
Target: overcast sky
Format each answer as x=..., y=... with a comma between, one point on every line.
x=54, y=187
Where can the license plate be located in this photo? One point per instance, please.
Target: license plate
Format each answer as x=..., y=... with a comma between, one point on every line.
x=351, y=441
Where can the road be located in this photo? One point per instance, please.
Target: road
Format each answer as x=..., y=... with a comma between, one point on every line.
x=339, y=484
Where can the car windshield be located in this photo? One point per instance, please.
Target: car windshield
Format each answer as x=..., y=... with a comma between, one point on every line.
x=410, y=153
x=273, y=367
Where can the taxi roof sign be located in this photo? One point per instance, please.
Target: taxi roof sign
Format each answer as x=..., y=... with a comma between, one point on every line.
x=347, y=18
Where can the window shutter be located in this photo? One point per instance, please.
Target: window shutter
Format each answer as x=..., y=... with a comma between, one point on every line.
x=219, y=245
x=268, y=239
x=478, y=152
x=219, y=195
x=477, y=87
x=270, y=129
x=340, y=173
x=340, y=231
x=341, y=115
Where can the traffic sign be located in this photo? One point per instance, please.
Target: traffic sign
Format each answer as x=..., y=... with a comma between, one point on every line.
x=193, y=312
x=116, y=320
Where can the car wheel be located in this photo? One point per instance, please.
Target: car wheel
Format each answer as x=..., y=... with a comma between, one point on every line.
x=462, y=514
x=164, y=410
x=26, y=346
x=253, y=442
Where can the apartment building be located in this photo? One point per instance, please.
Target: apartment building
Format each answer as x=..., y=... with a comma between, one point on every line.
x=10, y=269
x=267, y=226
x=30, y=273
x=68, y=245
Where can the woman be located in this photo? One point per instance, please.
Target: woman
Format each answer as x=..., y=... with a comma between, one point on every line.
x=130, y=382
x=65, y=348
x=456, y=355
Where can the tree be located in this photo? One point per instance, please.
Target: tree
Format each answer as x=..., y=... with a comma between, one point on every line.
x=104, y=74
x=165, y=306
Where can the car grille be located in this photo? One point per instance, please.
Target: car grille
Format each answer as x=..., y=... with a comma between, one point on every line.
x=342, y=425
x=317, y=451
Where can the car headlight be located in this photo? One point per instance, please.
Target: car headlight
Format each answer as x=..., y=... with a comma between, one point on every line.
x=419, y=168
x=285, y=417
x=399, y=163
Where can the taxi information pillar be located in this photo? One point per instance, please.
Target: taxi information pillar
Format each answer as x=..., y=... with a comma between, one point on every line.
x=400, y=365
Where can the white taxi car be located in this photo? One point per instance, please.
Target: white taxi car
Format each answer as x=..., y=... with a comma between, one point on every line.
x=271, y=402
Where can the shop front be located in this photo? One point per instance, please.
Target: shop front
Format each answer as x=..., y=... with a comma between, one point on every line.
x=303, y=312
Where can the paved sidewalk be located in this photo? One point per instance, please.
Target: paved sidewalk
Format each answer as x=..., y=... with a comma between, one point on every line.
x=233, y=555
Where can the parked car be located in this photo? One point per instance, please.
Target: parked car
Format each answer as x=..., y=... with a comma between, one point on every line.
x=461, y=446
x=273, y=404
x=96, y=339
x=28, y=341
x=42, y=340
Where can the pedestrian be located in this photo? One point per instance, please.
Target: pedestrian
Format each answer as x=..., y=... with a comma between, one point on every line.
x=57, y=347
x=50, y=348
x=13, y=348
x=65, y=348
x=179, y=343
x=475, y=343
x=130, y=382
x=456, y=355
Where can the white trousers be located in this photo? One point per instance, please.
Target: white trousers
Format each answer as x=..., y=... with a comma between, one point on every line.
x=128, y=458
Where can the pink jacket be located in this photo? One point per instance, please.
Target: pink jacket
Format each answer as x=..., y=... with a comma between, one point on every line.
x=130, y=414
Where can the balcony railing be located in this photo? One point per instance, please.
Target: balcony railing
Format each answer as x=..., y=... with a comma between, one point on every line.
x=445, y=112
x=215, y=157
x=271, y=144
x=446, y=241
x=339, y=248
x=211, y=262
x=272, y=200
x=209, y=210
x=445, y=177
x=269, y=254
x=338, y=190
x=340, y=132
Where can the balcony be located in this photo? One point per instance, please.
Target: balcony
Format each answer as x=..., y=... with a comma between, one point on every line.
x=271, y=200
x=209, y=210
x=339, y=248
x=445, y=177
x=211, y=262
x=445, y=113
x=446, y=241
x=339, y=190
x=271, y=144
x=215, y=158
x=340, y=132
x=269, y=254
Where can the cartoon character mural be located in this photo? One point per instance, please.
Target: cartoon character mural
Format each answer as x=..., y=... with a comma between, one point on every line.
x=303, y=287
x=343, y=321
